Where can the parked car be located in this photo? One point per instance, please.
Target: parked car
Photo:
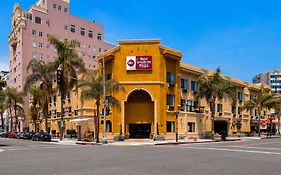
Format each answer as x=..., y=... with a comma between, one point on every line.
x=19, y=135
x=39, y=136
x=12, y=135
x=27, y=135
x=2, y=133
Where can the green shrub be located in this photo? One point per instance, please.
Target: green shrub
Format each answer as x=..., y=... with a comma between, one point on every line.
x=70, y=131
x=208, y=134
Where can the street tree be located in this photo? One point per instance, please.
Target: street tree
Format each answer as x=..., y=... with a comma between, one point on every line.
x=92, y=86
x=14, y=104
x=68, y=64
x=42, y=74
x=213, y=87
x=261, y=102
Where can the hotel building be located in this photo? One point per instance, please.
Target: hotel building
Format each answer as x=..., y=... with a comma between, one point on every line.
x=28, y=38
x=271, y=78
x=158, y=97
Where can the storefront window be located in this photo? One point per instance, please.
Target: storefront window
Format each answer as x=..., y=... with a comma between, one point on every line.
x=170, y=126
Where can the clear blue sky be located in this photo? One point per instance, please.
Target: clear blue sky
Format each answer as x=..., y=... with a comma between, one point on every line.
x=241, y=36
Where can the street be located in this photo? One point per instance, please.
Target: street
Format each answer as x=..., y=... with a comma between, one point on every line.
x=256, y=157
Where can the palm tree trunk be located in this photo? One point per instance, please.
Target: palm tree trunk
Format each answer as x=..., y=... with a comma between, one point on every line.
x=259, y=123
x=11, y=121
x=212, y=109
x=61, y=115
x=97, y=126
x=16, y=117
x=2, y=121
x=46, y=111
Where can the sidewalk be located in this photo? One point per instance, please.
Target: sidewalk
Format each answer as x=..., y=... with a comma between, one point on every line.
x=140, y=142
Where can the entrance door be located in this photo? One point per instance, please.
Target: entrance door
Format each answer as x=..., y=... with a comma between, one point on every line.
x=139, y=130
x=220, y=126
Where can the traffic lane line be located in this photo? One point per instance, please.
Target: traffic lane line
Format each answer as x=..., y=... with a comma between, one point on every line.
x=1, y=150
x=36, y=148
x=226, y=150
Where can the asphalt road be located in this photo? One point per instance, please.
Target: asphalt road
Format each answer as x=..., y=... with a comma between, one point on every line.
x=252, y=157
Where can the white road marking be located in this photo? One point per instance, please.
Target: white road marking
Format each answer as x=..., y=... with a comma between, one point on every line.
x=1, y=150
x=264, y=148
x=34, y=148
x=228, y=150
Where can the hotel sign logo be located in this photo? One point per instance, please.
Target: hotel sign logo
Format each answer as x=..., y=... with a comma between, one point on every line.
x=139, y=63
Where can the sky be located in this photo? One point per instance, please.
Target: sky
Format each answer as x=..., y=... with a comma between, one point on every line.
x=243, y=37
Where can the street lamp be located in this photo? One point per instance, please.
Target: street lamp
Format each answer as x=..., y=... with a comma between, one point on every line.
x=176, y=114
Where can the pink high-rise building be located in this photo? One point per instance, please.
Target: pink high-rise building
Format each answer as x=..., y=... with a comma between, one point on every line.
x=28, y=38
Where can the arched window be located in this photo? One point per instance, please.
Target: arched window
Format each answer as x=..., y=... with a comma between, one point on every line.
x=37, y=20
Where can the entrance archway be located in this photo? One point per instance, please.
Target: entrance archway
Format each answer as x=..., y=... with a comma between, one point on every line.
x=221, y=126
x=139, y=114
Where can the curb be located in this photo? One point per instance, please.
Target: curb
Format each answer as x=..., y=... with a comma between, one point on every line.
x=270, y=137
x=87, y=143
x=212, y=141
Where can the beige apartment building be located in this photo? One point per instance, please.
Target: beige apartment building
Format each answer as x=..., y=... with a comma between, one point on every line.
x=28, y=38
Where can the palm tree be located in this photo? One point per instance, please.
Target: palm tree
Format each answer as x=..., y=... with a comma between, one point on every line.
x=3, y=83
x=3, y=107
x=36, y=101
x=14, y=101
x=275, y=103
x=70, y=65
x=42, y=73
x=261, y=102
x=92, y=89
x=213, y=87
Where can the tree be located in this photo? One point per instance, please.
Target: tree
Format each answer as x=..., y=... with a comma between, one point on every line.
x=92, y=89
x=3, y=83
x=261, y=102
x=275, y=103
x=70, y=65
x=3, y=107
x=14, y=103
x=43, y=74
x=36, y=103
x=213, y=87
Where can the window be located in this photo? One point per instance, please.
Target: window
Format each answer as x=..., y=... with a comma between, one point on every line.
x=33, y=44
x=41, y=56
x=171, y=78
x=72, y=28
x=34, y=55
x=55, y=99
x=233, y=109
x=100, y=49
x=59, y=8
x=170, y=126
x=191, y=105
x=239, y=110
x=41, y=45
x=240, y=96
x=108, y=126
x=48, y=22
x=252, y=96
x=90, y=34
x=194, y=86
x=54, y=6
x=219, y=107
x=40, y=34
x=65, y=10
x=251, y=111
x=184, y=84
x=99, y=36
x=65, y=27
x=37, y=20
x=190, y=127
x=82, y=32
x=29, y=16
x=33, y=32
x=50, y=100
x=170, y=100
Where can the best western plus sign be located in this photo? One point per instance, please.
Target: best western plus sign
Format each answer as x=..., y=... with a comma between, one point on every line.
x=139, y=63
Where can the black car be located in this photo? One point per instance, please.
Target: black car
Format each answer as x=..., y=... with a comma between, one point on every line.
x=39, y=136
x=27, y=135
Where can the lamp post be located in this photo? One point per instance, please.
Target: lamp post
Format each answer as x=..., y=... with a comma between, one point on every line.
x=104, y=139
x=176, y=114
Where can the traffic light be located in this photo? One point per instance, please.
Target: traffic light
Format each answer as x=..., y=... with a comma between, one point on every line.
x=59, y=76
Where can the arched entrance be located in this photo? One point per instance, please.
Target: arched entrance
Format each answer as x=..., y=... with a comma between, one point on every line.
x=139, y=114
x=221, y=126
